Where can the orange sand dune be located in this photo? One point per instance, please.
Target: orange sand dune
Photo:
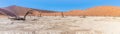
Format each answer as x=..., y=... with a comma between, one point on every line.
x=74, y=13
x=95, y=11
x=103, y=11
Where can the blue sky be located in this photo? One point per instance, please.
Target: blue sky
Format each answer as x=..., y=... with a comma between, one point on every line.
x=60, y=5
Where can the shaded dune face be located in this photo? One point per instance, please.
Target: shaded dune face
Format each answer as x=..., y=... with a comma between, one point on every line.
x=8, y=12
x=3, y=15
x=20, y=11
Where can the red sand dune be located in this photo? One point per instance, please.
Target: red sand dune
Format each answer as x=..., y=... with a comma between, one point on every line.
x=95, y=11
x=75, y=13
x=103, y=11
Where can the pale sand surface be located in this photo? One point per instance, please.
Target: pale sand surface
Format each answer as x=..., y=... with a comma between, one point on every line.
x=61, y=25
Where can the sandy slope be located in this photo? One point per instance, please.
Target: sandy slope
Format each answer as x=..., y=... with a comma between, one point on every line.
x=59, y=25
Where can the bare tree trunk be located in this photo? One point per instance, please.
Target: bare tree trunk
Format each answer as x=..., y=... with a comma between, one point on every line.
x=27, y=14
x=62, y=14
x=84, y=16
x=55, y=14
x=40, y=15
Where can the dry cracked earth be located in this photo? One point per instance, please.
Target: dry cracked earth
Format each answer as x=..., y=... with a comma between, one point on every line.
x=61, y=25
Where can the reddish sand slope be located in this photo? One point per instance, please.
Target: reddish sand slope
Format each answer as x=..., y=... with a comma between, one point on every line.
x=75, y=13
x=95, y=11
x=103, y=11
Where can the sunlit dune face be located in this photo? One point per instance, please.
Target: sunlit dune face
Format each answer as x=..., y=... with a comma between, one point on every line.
x=75, y=13
x=95, y=11
x=104, y=11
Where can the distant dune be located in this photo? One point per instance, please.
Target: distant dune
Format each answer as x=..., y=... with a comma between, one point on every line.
x=95, y=11
x=103, y=11
x=74, y=13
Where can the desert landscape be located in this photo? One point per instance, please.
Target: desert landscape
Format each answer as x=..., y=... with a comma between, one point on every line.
x=96, y=20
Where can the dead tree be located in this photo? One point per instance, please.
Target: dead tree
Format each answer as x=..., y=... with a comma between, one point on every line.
x=55, y=14
x=24, y=18
x=28, y=12
x=62, y=14
x=12, y=14
x=40, y=15
x=84, y=16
